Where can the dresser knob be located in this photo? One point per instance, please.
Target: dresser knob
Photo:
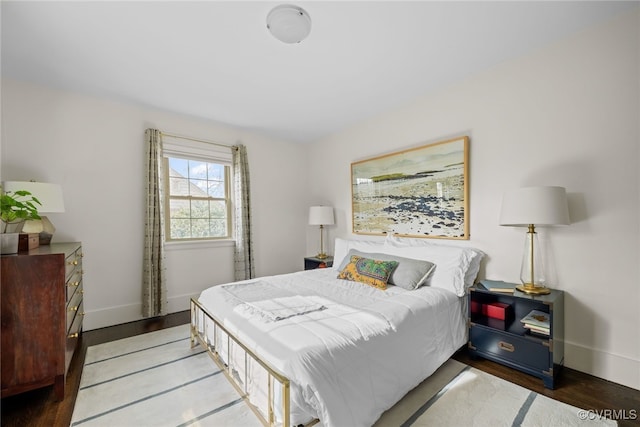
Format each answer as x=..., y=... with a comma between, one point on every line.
x=74, y=335
x=73, y=308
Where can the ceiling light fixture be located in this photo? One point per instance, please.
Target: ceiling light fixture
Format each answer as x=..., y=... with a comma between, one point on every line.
x=288, y=23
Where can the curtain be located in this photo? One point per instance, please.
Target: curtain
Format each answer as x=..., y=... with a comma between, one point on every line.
x=244, y=264
x=154, y=283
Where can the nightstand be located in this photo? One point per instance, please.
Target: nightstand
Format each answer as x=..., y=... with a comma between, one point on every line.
x=508, y=342
x=312, y=262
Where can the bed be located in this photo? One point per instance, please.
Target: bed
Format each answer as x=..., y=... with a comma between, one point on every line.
x=309, y=347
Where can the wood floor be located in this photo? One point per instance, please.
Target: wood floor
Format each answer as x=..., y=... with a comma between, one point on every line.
x=40, y=408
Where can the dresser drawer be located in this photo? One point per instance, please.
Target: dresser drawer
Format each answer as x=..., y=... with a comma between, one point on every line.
x=73, y=335
x=71, y=264
x=73, y=284
x=511, y=348
x=74, y=307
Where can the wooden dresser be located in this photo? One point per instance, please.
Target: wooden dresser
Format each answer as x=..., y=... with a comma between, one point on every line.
x=41, y=316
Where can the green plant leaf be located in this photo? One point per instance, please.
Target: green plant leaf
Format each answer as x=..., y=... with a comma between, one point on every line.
x=18, y=205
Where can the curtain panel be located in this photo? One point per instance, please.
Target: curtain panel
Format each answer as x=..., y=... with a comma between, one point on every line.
x=154, y=283
x=244, y=265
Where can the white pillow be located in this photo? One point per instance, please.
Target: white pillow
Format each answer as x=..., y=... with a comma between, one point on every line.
x=456, y=266
x=343, y=246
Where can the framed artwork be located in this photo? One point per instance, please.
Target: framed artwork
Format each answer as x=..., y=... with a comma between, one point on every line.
x=419, y=192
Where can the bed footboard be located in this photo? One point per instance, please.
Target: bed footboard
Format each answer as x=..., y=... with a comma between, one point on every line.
x=219, y=342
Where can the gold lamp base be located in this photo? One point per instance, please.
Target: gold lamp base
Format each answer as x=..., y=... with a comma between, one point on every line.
x=532, y=289
x=322, y=255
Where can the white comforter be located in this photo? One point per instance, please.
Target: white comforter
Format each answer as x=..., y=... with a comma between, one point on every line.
x=355, y=358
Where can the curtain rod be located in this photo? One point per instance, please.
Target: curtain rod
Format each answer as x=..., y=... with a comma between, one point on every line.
x=233, y=147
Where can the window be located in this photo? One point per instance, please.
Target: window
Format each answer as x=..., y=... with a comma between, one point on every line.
x=197, y=189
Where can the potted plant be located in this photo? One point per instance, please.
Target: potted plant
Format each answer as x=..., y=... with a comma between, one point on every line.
x=15, y=208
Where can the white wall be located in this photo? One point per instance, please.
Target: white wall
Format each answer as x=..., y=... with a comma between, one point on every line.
x=95, y=149
x=565, y=115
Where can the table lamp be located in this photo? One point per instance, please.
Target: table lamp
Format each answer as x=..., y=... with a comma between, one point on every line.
x=321, y=215
x=531, y=207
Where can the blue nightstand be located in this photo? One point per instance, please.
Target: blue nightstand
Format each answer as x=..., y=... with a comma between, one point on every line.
x=508, y=342
x=312, y=262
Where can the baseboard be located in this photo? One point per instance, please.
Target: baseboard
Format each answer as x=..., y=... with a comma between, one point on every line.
x=129, y=313
x=602, y=364
x=180, y=302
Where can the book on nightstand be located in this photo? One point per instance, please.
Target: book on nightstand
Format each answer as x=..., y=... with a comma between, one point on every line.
x=537, y=322
x=537, y=331
x=497, y=286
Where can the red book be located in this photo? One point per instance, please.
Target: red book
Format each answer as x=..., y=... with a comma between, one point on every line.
x=476, y=307
x=497, y=310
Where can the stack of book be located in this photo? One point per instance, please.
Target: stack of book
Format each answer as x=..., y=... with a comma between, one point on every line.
x=537, y=322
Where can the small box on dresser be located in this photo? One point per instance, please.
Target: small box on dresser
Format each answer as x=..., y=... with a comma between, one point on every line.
x=498, y=310
x=41, y=316
x=26, y=242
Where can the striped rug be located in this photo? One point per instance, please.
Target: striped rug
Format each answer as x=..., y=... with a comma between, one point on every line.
x=474, y=398
x=155, y=379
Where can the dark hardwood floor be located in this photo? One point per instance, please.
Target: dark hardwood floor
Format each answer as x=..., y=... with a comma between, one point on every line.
x=40, y=408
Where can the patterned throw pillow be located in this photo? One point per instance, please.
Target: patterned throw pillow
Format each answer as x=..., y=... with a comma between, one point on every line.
x=369, y=271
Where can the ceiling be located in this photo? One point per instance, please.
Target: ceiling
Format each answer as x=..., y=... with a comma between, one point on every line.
x=216, y=59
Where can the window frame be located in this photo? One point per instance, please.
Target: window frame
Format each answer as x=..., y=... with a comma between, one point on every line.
x=167, y=202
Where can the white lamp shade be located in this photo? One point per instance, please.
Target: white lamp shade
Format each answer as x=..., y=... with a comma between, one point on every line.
x=288, y=23
x=535, y=205
x=320, y=215
x=49, y=195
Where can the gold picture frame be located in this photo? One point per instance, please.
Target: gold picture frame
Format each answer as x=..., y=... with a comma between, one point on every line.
x=418, y=192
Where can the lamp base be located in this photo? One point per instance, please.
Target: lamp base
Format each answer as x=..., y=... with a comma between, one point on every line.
x=531, y=289
x=42, y=226
x=322, y=255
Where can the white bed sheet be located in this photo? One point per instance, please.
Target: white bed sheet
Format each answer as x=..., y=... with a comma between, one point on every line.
x=358, y=357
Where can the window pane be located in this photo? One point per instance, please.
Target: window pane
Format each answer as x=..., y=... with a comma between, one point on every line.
x=216, y=171
x=217, y=189
x=198, y=187
x=178, y=186
x=218, y=209
x=179, y=209
x=197, y=169
x=178, y=167
x=218, y=228
x=200, y=228
x=200, y=209
x=180, y=228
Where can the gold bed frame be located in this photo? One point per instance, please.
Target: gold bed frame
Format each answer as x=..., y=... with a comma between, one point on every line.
x=200, y=335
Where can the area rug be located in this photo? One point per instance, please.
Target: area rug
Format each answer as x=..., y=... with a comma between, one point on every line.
x=156, y=379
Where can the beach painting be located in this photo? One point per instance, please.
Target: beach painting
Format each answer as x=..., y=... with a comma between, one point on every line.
x=418, y=192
